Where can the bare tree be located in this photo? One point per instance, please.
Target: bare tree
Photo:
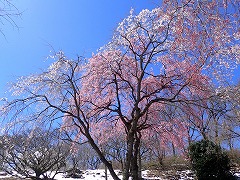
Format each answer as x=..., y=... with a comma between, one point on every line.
x=33, y=153
x=230, y=95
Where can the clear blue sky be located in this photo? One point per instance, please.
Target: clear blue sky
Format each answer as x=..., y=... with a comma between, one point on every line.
x=78, y=27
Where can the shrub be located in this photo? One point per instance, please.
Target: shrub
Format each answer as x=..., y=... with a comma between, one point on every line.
x=209, y=161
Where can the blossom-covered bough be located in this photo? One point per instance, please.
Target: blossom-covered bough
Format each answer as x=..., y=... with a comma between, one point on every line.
x=158, y=58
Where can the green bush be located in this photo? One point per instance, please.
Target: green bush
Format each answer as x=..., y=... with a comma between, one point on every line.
x=209, y=161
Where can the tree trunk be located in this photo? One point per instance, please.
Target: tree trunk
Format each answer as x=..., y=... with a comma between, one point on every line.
x=102, y=158
x=122, y=164
x=139, y=164
x=106, y=178
x=230, y=143
x=37, y=175
x=134, y=162
x=133, y=143
x=130, y=142
x=160, y=156
x=173, y=149
x=216, y=138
